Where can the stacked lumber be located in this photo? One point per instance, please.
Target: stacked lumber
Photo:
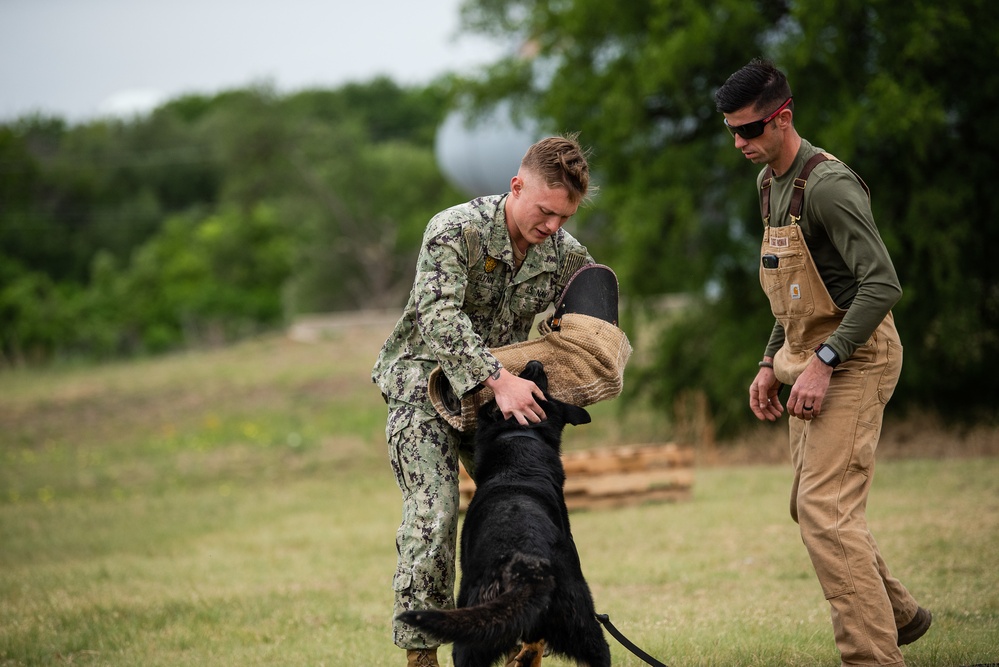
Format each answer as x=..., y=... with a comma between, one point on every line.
x=619, y=476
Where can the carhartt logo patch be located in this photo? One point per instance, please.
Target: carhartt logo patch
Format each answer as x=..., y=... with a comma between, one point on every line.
x=795, y=291
x=778, y=242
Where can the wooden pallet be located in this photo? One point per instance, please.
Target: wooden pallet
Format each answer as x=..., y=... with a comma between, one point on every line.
x=619, y=476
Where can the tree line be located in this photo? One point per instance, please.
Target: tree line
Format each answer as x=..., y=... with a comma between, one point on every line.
x=219, y=216
x=212, y=218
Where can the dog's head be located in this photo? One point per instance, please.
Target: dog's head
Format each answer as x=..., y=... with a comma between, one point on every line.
x=571, y=414
x=505, y=448
x=557, y=413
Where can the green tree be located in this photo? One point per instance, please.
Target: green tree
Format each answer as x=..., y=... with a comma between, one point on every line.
x=213, y=216
x=365, y=183
x=207, y=280
x=32, y=314
x=900, y=92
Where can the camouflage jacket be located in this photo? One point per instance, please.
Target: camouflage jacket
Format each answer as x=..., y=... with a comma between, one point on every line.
x=466, y=298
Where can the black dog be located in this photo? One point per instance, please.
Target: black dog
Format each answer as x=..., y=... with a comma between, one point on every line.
x=521, y=579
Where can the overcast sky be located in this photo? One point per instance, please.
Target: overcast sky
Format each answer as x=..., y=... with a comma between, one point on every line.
x=83, y=58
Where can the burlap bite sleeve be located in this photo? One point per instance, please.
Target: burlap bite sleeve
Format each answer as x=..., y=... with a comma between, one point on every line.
x=584, y=360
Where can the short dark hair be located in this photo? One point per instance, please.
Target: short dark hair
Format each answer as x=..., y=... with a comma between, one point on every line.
x=758, y=83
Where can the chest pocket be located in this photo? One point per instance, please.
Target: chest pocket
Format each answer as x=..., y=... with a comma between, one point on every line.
x=540, y=292
x=530, y=298
x=485, y=289
x=789, y=286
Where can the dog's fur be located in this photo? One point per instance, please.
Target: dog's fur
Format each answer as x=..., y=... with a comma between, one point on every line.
x=521, y=579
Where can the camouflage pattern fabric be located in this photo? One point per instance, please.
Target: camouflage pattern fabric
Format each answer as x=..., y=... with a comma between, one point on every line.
x=467, y=298
x=424, y=453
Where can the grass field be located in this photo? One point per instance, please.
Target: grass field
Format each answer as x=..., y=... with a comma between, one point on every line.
x=235, y=507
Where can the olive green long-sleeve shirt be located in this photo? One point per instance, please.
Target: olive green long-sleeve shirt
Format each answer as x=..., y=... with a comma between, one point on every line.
x=844, y=242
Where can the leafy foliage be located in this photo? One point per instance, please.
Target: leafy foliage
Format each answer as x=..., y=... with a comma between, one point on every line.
x=900, y=92
x=213, y=217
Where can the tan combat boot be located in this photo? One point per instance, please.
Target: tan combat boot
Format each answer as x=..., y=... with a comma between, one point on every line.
x=422, y=657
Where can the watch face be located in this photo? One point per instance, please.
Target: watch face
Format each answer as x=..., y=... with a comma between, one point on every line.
x=827, y=355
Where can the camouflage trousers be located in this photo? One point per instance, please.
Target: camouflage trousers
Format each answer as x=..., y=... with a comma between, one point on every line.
x=424, y=452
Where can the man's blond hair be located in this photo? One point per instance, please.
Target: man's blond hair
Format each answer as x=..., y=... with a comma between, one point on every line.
x=561, y=162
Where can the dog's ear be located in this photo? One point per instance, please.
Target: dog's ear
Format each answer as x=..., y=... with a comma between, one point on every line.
x=535, y=372
x=575, y=415
x=489, y=413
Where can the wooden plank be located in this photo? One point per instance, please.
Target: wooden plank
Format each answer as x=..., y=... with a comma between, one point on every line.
x=626, y=458
x=614, y=477
x=612, y=502
x=624, y=484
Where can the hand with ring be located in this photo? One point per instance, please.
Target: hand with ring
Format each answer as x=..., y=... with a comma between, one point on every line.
x=806, y=400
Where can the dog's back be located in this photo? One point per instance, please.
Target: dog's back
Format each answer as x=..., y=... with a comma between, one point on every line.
x=521, y=577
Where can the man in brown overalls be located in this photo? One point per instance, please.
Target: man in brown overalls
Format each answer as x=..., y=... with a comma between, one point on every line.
x=831, y=286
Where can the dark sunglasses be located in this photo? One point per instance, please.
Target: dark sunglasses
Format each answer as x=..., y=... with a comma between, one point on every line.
x=755, y=129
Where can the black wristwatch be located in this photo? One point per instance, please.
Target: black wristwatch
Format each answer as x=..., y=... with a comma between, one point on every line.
x=827, y=355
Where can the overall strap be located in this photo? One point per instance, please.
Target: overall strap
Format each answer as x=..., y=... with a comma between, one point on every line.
x=798, y=194
x=768, y=179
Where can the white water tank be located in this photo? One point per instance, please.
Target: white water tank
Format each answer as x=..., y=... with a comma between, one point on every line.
x=480, y=157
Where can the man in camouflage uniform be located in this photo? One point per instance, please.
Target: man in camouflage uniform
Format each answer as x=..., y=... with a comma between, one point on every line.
x=486, y=268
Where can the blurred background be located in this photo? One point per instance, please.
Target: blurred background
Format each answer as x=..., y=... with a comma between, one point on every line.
x=190, y=174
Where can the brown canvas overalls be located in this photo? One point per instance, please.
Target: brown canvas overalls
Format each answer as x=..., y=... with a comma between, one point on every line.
x=833, y=454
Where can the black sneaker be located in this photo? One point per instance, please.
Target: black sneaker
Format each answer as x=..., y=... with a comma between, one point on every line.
x=915, y=628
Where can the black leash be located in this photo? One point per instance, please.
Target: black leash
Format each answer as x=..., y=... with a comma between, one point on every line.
x=625, y=642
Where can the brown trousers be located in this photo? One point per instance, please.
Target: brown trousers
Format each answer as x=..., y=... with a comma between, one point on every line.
x=833, y=457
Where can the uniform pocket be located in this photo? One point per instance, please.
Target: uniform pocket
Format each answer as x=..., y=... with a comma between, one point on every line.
x=402, y=581
x=530, y=299
x=866, y=354
x=399, y=419
x=891, y=373
x=788, y=287
x=863, y=448
x=485, y=289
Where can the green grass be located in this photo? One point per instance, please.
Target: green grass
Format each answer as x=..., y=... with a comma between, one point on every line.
x=235, y=507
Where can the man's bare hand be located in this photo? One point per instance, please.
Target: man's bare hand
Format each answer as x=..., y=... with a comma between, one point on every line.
x=808, y=392
x=763, y=398
x=516, y=397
